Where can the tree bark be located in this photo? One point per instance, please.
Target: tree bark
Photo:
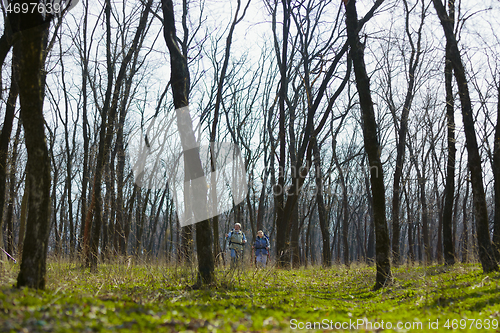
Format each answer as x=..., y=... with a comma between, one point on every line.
x=322, y=214
x=486, y=254
x=7, y=126
x=108, y=114
x=403, y=129
x=282, y=241
x=33, y=29
x=12, y=193
x=465, y=232
x=179, y=78
x=449, y=253
x=345, y=204
x=372, y=147
x=496, y=175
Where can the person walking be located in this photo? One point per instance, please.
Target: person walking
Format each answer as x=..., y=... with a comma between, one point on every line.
x=261, y=247
x=237, y=240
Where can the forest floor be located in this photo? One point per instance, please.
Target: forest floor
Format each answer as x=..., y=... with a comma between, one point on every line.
x=151, y=297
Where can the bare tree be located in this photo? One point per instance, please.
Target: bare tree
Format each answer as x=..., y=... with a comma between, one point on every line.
x=33, y=30
x=413, y=63
x=449, y=256
x=106, y=132
x=486, y=254
x=7, y=129
x=180, y=88
x=372, y=146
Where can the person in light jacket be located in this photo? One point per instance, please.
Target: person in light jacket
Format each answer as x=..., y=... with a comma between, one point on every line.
x=237, y=240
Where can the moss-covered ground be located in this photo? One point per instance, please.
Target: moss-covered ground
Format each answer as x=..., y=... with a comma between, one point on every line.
x=151, y=297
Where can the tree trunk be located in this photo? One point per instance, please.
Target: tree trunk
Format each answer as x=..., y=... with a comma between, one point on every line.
x=411, y=239
x=22, y=221
x=180, y=89
x=496, y=176
x=486, y=254
x=322, y=215
x=423, y=201
x=33, y=40
x=294, y=242
x=12, y=193
x=282, y=241
x=372, y=147
x=108, y=115
x=465, y=232
x=449, y=253
x=370, y=248
x=85, y=127
x=7, y=130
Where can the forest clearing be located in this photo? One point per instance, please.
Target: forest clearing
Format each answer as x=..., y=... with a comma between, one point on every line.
x=153, y=151
x=151, y=297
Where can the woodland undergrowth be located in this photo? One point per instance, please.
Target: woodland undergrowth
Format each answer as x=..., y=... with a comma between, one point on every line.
x=149, y=296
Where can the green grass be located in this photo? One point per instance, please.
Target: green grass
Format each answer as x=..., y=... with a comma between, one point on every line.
x=155, y=298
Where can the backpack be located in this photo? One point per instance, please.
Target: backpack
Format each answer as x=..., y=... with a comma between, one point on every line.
x=266, y=237
x=236, y=238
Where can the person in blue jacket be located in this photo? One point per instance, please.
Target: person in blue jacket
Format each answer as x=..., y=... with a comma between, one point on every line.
x=261, y=247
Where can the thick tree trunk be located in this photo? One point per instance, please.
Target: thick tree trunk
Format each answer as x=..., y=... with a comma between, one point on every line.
x=33, y=39
x=486, y=254
x=372, y=147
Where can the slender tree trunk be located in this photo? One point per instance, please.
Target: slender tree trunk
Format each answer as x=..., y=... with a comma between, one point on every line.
x=282, y=241
x=69, y=152
x=12, y=193
x=180, y=88
x=294, y=242
x=322, y=214
x=372, y=147
x=7, y=130
x=22, y=220
x=411, y=239
x=465, y=232
x=370, y=248
x=423, y=202
x=403, y=129
x=85, y=127
x=345, y=207
x=108, y=114
x=449, y=253
x=496, y=175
